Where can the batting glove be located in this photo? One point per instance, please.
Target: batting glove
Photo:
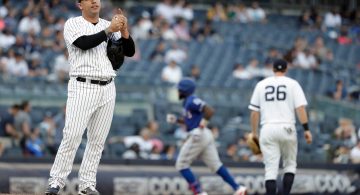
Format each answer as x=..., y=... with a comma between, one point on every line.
x=171, y=118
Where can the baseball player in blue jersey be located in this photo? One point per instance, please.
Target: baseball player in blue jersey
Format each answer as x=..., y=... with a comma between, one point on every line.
x=200, y=143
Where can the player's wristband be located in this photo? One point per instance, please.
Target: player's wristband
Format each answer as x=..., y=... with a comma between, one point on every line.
x=306, y=127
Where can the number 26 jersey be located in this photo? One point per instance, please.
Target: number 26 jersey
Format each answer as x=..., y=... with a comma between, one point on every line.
x=276, y=98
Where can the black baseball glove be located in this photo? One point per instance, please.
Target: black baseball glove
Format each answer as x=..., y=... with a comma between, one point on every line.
x=115, y=53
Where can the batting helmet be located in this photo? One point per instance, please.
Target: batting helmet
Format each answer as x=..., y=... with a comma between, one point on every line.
x=187, y=86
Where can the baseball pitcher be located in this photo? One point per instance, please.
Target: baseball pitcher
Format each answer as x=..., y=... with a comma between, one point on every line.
x=91, y=93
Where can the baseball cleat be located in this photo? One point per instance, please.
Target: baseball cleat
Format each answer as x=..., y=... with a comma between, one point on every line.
x=52, y=190
x=89, y=191
x=241, y=191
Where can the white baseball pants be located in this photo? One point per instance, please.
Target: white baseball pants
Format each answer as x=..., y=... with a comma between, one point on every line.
x=200, y=144
x=276, y=141
x=88, y=106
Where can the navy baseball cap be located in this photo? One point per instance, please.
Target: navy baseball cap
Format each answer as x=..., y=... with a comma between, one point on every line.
x=280, y=64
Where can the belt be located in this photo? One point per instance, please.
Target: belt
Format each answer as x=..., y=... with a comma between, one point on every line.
x=97, y=82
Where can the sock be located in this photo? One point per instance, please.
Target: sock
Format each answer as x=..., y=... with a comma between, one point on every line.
x=223, y=172
x=190, y=178
x=270, y=187
x=288, y=182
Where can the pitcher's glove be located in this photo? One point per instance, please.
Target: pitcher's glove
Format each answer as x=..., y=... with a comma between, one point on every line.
x=115, y=53
x=253, y=144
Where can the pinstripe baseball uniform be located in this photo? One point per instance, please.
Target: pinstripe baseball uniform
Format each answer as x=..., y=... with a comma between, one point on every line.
x=276, y=98
x=90, y=103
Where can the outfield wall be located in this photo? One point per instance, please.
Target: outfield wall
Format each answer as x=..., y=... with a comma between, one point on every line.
x=125, y=179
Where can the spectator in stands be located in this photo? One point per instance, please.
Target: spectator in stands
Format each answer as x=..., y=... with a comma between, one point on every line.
x=29, y=23
x=5, y=60
x=59, y=120
x=47, y=38
x=34, y=145
x=183, y=9
x=239, y=72
x=339, y=92
x=167, y=33
x=344, y=38
x=7, y=123
x=133, y=152
x=300, y=43
x=166, y=11
x=272, y=55
x=243, y=151
x=242, y=15
x=153, y=127
x=195, y=72
x=142, y=27
x=231, y=11
x=194, y=31
x=23, y=123
x=253, y=69
x=342, y=155
x=181, y=30
x=10, y=20
x=171, y=73
x=47, y=131
x=155, y=31
x=156, y=150
x=217, y=13
x=306, y=59
x=175, y=53
x=61, y=68
x=169, y=152
x=332, y=20
x=267, y=70
x=36, y=68
x=7, y=39
x=305, y=21
x=18, y=67
x=355, y=154
x=256, y=13
x=231, y=153
x=354, y=93
x=143, y=141
x=4, y=8
x=158, y=54
x=322, y=53
x=345, y=132
x=208, y=32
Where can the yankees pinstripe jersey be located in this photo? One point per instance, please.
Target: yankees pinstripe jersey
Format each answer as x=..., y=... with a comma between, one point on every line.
x=277, y=98
x=92, y=62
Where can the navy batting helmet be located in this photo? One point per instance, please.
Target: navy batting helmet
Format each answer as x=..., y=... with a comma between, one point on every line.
x=186, y=86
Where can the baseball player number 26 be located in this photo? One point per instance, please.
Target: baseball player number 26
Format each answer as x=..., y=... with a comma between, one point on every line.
x=280, y=93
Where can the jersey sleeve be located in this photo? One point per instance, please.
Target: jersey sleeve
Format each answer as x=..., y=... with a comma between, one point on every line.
x=255, y=99
x=72, y=31
x=299, y=96
x=197, y=105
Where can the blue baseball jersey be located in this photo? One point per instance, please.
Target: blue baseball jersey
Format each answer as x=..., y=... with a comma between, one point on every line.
x=193, y=112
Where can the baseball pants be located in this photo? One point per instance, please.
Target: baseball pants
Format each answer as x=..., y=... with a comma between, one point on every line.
x=199, y=144
x=276, y=141
x=88, y=106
